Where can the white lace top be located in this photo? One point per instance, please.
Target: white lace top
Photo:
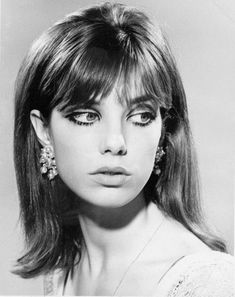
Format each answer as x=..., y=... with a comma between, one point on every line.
x=210, y=274
x=207, y=274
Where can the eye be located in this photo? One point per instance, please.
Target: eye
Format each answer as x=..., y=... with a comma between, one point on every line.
x=142, y=118
x=84, y=118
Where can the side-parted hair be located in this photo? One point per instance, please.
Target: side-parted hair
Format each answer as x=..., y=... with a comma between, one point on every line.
x=76, y=60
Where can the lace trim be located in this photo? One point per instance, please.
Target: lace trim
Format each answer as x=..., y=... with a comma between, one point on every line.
x=198, y=275
x=202, y=279
x=48, y=284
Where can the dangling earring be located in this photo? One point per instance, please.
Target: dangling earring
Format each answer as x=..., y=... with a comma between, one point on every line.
x=160, y=152
x=47, y=161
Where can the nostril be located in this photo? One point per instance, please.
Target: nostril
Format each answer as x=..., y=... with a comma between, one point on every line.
x=122, y=152
x=114, y=145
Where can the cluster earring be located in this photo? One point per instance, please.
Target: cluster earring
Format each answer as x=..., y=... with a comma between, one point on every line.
x=47, y=161
x=159, y=154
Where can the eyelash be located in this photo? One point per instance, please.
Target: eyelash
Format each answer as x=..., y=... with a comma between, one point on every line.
x=72, y=118
x=151, y=117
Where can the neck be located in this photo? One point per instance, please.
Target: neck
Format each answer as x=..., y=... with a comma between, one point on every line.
x=116, y=233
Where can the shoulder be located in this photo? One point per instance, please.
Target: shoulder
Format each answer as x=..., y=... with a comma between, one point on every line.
x=53, y=283
x=201, y=274
x=179, y=240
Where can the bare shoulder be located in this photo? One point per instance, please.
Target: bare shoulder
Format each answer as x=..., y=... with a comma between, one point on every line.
x=178, y=241
x=196, y=270
x=208, y=273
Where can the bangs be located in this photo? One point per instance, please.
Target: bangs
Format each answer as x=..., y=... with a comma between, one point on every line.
x=91, y=76
x=86, y=66
x=95, y=75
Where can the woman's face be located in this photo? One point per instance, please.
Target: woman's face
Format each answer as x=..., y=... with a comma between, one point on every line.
x=105, y=154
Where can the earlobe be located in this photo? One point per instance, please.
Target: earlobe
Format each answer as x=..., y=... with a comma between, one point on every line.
x=40, y=128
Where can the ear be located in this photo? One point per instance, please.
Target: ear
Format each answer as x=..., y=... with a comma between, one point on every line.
x=40, y=127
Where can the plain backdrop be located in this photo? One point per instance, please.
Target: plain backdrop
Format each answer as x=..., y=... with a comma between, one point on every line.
x=202, y=36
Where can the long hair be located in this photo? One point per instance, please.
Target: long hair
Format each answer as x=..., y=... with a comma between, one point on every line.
x=77, y=59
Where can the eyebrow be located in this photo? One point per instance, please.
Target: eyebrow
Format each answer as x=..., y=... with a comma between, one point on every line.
x=135, y=101
x=140, y=101
x=143, y=102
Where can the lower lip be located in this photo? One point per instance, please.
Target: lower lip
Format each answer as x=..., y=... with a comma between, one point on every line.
x=109, y=180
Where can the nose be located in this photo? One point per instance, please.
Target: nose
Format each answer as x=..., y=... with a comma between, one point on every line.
x=113, y=142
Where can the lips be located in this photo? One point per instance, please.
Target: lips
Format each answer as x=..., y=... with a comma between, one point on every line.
x=111, y=171
x=113, y=177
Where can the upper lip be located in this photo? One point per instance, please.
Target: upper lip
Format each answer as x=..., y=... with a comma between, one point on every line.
x=116, y=170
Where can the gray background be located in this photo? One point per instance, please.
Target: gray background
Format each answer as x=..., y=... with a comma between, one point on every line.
x=202, y=35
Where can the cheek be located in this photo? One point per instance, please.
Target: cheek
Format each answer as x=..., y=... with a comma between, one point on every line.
x=143, y=151
x=144, y=143
x=73, y=154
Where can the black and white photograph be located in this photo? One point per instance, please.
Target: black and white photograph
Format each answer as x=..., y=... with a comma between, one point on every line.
x=117, y=148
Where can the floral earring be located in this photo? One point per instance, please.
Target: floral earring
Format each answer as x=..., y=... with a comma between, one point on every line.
x=159, y=154
x=47, y=161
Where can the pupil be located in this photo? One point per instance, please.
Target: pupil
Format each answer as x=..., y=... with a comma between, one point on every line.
x=90, y=116
x=144, y=116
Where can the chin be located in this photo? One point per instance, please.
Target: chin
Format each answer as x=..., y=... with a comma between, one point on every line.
x=109, y=198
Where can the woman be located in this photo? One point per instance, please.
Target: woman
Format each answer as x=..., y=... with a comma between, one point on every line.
x=105, y=166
